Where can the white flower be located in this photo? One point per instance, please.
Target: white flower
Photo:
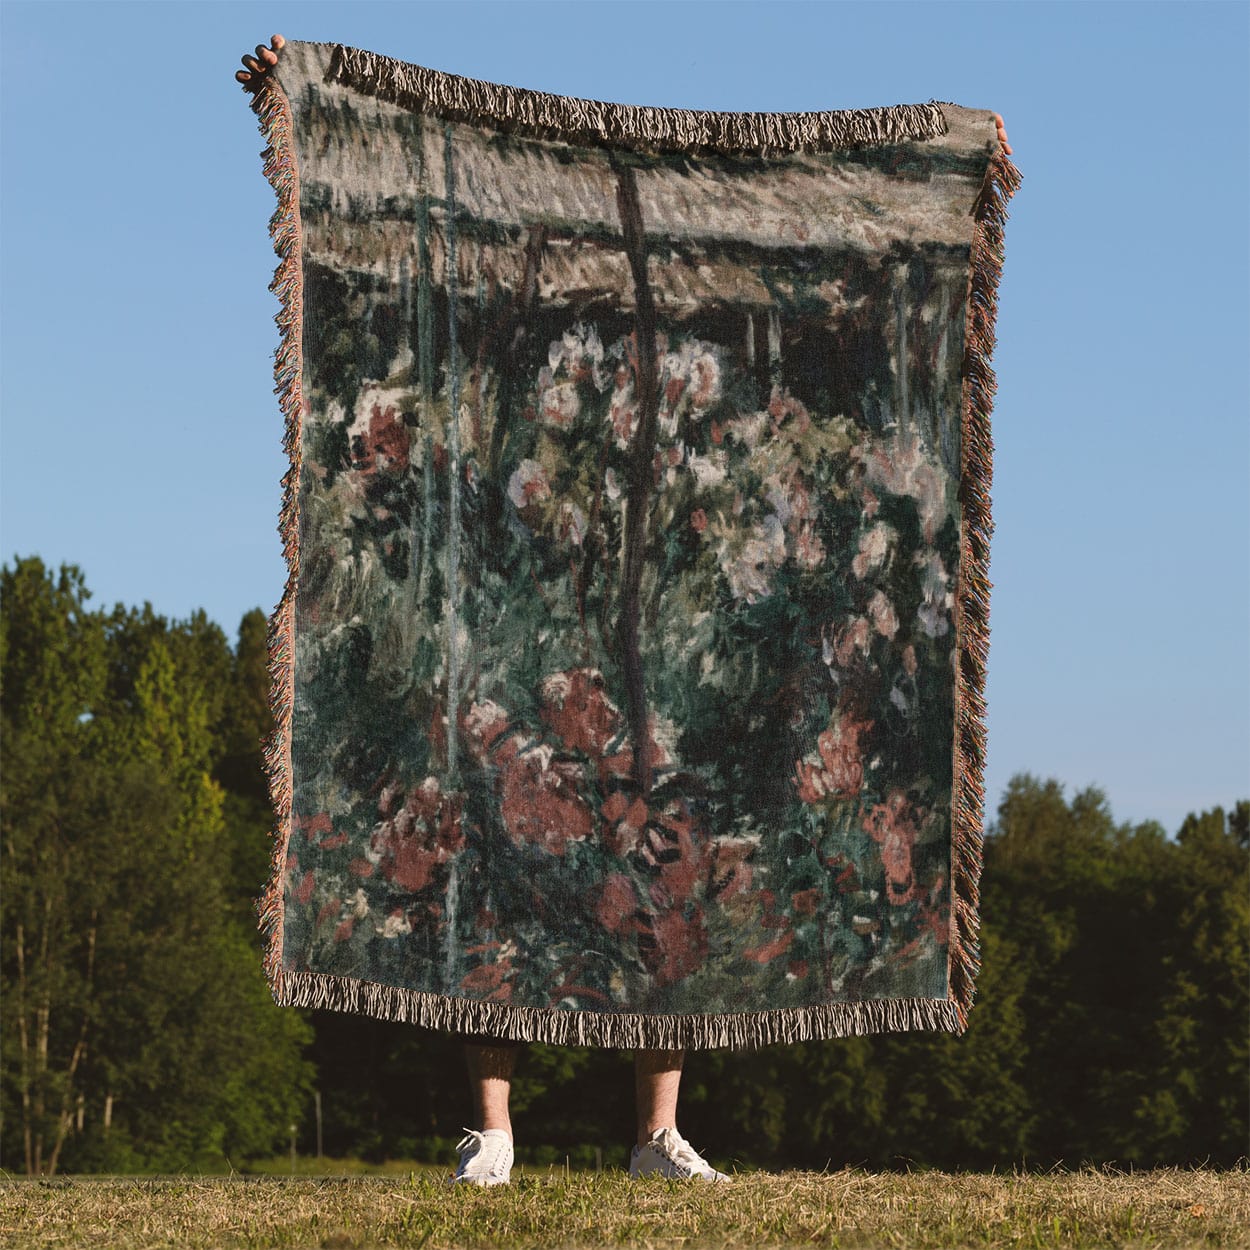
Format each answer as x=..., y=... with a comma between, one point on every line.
x=695, y=364
x=938, y=598
x=749, y=430
x=579, y=348
x=394, y=926
x=902, y=467
x=572, y=522
x=559, y=404
x=750, y=571
x=528, y=483
x=708, y=470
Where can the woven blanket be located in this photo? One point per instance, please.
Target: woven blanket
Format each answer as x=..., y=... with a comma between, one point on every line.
x=628, y=677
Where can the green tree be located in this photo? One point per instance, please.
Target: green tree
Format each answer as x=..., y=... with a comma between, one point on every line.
x=140, y=1031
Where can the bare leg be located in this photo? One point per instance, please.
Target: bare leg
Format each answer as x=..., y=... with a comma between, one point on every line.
x=657, y=1076
x=490, y=1078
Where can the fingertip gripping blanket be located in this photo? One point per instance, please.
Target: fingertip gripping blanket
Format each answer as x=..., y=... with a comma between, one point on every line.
x=628, y=677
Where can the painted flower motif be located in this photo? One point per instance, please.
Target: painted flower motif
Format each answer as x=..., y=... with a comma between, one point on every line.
x=559, y=405
x=616, y=907
x=579, y=354
x=673, y=943
x=838, y=766
x=625, y=822
x=901, y=466
x=576, y=706
x=730, y=872
x=854, y=637
x=881, y=613
x=412, y=842
x=675, y=845
x=689, y=382
x=528, y=484
x=483, y=724
x=540, y=796
x=809, y=551
x=893, y=825
x=874, y=546
x=787, y=409
x=708, y=470
x=750, y=429
x=939, y=600
x=748, y=564
x=377, y=436
x=396, y=924
x=623, y=408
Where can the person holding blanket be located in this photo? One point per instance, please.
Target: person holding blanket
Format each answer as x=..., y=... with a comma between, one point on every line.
x=487, y=1151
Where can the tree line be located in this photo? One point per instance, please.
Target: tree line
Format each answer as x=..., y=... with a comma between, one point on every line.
x=137, y=1032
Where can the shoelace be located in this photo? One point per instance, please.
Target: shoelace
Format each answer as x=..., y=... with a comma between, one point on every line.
x=472, y=1135
x=682, y=1152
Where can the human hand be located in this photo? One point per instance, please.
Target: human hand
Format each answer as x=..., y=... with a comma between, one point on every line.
x=259, y=65
x=998, y=117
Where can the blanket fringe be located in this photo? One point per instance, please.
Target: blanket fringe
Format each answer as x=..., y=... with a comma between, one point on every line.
x=973, y=595
x=274, y=111
x=623, y=1030
x=542, y=114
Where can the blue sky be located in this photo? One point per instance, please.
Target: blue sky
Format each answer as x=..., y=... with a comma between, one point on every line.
x=141, y=437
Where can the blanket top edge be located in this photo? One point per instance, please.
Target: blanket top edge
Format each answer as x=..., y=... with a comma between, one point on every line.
x=457, y=97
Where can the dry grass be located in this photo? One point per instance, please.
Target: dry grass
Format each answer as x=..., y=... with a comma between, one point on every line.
x=849, y=1208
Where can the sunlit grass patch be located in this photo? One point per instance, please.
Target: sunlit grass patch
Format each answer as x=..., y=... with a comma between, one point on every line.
x=850, y=1208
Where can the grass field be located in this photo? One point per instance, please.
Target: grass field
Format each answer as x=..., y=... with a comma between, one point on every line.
x=552, y=1208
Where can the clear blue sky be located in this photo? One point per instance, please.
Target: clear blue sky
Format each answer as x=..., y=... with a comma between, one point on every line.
x=142, y=438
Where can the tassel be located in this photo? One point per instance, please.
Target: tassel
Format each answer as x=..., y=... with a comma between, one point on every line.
x=973, y=594
x=274, y=113
x=542, y=114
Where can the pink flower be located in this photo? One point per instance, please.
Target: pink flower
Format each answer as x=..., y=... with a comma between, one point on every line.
x=623, y=408
x=840, y=771
x=576, y=706
x=423, y=834
x=673, y=945
x=874, y=546
x=616, y=908
x=540, y=797
x=856, y=636
x=893, y=824
x=881, y=610
x=378, y=436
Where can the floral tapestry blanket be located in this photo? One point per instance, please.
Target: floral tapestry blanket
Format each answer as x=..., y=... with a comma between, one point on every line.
x=628, y=677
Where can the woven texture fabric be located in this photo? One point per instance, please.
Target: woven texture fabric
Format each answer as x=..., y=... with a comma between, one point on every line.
x=628, y=677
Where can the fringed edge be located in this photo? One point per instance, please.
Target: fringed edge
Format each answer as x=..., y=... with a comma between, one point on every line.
x=281, y=169
x=622, y=1030
x=973, y=597
x=540, y=113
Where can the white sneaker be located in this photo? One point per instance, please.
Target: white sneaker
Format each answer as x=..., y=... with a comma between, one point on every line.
x=485, y=1158
x=668, y=1153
